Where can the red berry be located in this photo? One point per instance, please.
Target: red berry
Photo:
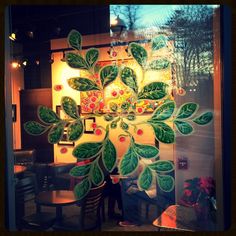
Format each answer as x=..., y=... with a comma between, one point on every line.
x=98, y=132
x=93, y=125
x=91, y=105
x=93, y=99
x=63, y=150
x=140, y=110
x=122, y=139
x=121, y=92
x=58, y=87
x=114, y=93
x=114, y=54
x=139, y=132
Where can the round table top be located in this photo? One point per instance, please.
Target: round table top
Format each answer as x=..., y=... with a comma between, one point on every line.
x=56, y=197
x=19, y=169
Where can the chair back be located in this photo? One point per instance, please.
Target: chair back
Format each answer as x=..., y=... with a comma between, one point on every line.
x=90, y=210
x=25, y=157
x=25, y=189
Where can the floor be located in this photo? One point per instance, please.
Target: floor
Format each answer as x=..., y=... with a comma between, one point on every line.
x=109, y=224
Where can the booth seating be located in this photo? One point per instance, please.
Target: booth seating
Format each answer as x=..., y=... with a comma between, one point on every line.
x=59, y=175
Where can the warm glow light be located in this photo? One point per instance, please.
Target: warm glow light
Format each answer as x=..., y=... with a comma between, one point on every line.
x=114, y=22
x=15, y=64
x=12, y=37
x=24, y=63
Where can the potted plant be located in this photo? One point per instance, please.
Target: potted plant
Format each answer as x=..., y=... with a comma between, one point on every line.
x=199, y=193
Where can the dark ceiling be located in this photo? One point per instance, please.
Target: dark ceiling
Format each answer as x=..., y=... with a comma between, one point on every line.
x=55, y=21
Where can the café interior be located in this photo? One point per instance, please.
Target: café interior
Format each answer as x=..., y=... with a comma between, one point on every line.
x=114, y=118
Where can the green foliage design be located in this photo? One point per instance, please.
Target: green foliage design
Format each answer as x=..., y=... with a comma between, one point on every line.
x=129, y=162
x=204, y=118
x=76, y=61
x=69, y=107
x=153, y=91
x=87, y=150
x=47, y=116
x=82, y=84
x=123, y=116
x=187, y=110
x=34, y=128
x=159, y=42
x=92, y=57
x=166, y=182
x=139, y=53
x=108, y=74
x=159, y=64
x=56, y=132
x=79, y=171
x=82, y=188
x=129, y=78
x=74, y=39
x=145, y=179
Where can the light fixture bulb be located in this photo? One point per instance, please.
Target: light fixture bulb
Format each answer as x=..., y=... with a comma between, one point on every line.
x=14, y=64
x=12, y=37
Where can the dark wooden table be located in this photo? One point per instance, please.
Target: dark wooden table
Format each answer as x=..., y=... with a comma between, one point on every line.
x=56, y=198
x=182, y=218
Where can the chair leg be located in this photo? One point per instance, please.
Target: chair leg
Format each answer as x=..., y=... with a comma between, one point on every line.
x=147, y=211
x=103, y=210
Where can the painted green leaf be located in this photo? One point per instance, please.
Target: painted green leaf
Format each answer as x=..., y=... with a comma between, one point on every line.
x=146, y=151
x=108, y=117
x=159, y=64
x=97, y=176
x=92, y=56
x=108, y=74
x=113, y=106
x=113, y=124
x=129, y=78
x=145, y=179
x=125, y=106
x=82, y=84
x=78, y=171
x=87, y=150
x=47, y=115
x=109, y=156
x=204, y=118
x=75, y=130
x=139, y=53
x=56, y=132
x=34, y=128
x=163, y=132
x=131, y=117
x=74, y=39
x=69, y=106
x=153, y=91
x=164, y=111
x=159, y=42
x=129, y=162
x=82, y=189
x=183, y=127
x=76, y=61
x=124, y=125
x=187, y=110
x=166, y=182
x=162, y=166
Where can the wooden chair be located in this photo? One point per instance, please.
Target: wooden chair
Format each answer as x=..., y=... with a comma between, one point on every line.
x=89, y=217
x=25, y=191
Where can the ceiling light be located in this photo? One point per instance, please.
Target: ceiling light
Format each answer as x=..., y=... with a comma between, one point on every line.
x=24, y=63
x=15, y=64
x=30, y=33
x=12, y=37
x=37, y=62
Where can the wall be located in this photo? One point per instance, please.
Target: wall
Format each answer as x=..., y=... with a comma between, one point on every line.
x=61, y=72
x=17, y=83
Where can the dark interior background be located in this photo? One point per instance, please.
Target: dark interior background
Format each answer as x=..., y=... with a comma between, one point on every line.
x=50, y=22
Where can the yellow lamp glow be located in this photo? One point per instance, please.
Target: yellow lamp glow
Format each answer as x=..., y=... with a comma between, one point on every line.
x=14, y=64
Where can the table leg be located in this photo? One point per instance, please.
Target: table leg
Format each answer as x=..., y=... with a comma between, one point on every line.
x=59, y=213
